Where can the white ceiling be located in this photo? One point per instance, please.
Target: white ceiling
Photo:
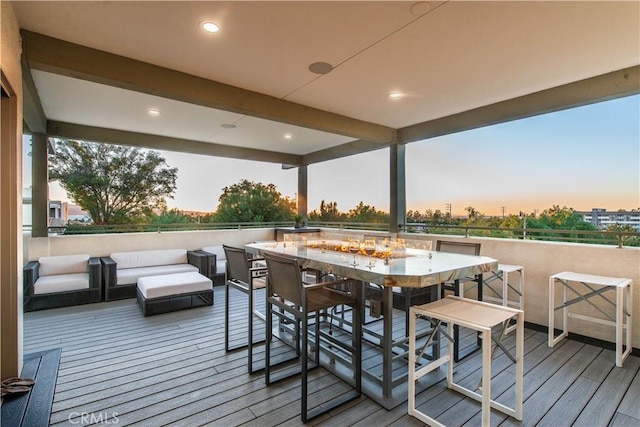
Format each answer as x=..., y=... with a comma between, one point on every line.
x=447, y=57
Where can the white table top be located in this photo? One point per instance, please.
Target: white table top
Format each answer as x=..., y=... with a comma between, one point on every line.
x=414, y=269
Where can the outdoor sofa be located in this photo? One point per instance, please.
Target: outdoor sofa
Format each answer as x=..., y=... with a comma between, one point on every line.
x=61, y=281
x=122, y=270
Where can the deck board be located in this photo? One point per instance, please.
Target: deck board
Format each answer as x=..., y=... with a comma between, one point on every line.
x=171, y=369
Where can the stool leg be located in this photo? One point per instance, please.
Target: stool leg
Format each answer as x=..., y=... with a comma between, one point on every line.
x=551, y=311
x=450, y=351
x=486, y=378
x=619, y=325
x=505, y=289
x=521, y=298
x=519, y=365
x=629, y=292
x=412, y=363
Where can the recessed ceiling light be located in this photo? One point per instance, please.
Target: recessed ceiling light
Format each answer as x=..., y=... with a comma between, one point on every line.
x=288, y=136
x=210, y=27
x=228, y=126
x=320, y=67
x=420, y=8
x=153, y=112
x=395, y=95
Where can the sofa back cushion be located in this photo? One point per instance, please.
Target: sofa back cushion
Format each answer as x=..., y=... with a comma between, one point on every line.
x=218, y=251
x=63, y=264
x=149, y=258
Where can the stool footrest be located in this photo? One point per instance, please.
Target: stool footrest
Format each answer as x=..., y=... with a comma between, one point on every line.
x=476, y=396
x=432, y=366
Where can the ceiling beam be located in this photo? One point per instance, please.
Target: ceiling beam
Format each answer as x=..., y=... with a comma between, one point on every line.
x=344, y=150
x=33, y=113
x=608, y=86
x=68, y=59
x=136, y=139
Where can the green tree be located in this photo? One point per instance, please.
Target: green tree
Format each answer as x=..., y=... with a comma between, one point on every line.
x=113, y=183
x=473, y=215
x=367, y=214
x=621, y=228
x=328, y=213
x=171, y=216
x=563, y=218
x=248, y=201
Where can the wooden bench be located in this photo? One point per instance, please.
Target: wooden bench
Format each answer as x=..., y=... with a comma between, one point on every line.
x=172, y=292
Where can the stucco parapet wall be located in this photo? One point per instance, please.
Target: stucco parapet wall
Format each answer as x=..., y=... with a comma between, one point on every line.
x=540, y=260
x=105, y=244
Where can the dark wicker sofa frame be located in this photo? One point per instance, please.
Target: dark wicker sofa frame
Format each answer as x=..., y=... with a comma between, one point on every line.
x=113, y=292
x=169, y=303
x=33, y=302
x=219, y=278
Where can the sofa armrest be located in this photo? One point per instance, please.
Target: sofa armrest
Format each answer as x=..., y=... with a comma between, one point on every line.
x=95, y=274
x=199, y=259
x=30, y=274
x=109, y=275
x=213, y=263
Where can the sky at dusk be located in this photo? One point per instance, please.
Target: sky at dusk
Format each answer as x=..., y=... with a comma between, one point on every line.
x=582, y=158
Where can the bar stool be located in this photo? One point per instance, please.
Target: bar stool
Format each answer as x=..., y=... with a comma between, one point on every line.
x=245, y=276
x=289, y=298
x=479, y=316
x=623, y=311
x=502, y=297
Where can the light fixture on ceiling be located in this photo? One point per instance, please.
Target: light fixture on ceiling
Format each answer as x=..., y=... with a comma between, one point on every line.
x=153, y=112
x=320, y=67
x=395, y=95
x=288, y=136
x=420, y=8
x=228, y=126
x=210, y=27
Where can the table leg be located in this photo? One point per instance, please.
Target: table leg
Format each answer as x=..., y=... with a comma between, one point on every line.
x=456, y=328
x=387, y=340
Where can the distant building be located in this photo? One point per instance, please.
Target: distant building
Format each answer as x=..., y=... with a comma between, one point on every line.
x=602, y=219
x=58, y=213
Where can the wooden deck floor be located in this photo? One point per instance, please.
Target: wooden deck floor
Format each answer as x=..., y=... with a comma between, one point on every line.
x=171, y=369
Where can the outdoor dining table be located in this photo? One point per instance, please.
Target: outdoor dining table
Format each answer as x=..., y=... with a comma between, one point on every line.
x=407, y=267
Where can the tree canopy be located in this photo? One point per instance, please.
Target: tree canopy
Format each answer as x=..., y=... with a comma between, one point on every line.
x=248, y=201
x=114, y=184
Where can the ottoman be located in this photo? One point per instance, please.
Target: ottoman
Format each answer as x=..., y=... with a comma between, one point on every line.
x=171, y=292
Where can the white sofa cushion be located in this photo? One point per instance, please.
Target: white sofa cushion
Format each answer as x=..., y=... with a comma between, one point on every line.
x=173, y=284
x=149, y=258
x=221, y=258
x=130, y=276
x=61, y=283
x=63, y=264
x=221, y=267
x=218, y=251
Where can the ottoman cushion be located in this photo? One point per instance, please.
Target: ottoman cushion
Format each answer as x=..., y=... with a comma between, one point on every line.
x=173, y=284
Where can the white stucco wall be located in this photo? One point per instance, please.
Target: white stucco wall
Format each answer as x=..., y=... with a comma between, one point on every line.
x=105, y=244
x=543, y=259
